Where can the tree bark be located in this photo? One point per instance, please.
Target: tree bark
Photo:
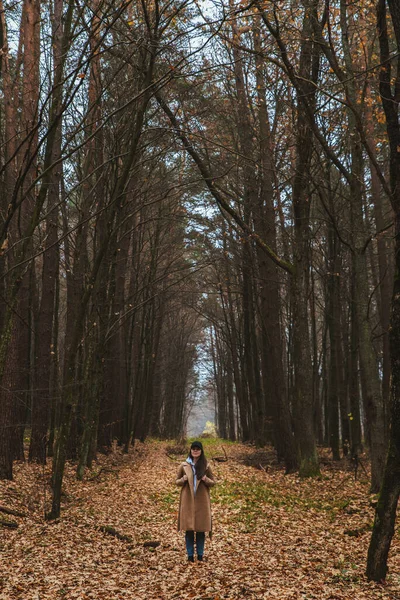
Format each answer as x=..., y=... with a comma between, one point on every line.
x=385, y=516
x=333, y=321
x=373, y=396
x=303, y=372
x=44, y=347
x=270, y=301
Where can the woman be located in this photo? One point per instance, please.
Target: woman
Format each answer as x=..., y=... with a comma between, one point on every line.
x=195, y=477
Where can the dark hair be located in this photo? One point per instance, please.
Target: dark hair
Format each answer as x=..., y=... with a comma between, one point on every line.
x=201, y=464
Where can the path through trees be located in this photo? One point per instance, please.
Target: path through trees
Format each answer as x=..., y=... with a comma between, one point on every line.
x=275, y=536
x=201, y=198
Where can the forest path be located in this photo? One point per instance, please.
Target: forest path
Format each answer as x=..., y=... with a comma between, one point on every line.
x=275, y=537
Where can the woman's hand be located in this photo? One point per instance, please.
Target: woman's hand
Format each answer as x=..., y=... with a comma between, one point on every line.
x=208, y=480
x=181, y=481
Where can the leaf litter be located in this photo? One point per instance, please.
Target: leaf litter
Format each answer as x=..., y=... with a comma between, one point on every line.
x=275, y=536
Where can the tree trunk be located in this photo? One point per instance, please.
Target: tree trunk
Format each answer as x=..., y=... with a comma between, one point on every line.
x=245, y=133
x=7, y=405
x=354, y=379
x=270, y=302
x=44, y=349
x=389, y=495
x=385, y=517
x=303, y=410
x=333, y=321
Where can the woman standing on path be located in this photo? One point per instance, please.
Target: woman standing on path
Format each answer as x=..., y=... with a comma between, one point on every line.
x=195, y=477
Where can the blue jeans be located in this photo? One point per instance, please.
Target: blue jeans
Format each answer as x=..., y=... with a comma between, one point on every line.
x=200, y=539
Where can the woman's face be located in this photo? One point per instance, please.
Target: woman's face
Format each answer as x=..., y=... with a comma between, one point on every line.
x=195, y=452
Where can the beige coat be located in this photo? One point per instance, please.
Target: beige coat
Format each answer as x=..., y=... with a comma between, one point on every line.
x=194, y=510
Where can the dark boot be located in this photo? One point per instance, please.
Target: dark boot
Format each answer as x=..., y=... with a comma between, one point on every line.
x=191, y=558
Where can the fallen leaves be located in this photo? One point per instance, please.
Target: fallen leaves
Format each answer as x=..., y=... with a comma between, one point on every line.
x=275, y=536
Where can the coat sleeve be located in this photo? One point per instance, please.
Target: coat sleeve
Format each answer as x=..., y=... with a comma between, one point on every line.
x=180, y=481
x=209, y=478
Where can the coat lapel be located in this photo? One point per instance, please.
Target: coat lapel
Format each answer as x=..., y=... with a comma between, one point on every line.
x=188, y=470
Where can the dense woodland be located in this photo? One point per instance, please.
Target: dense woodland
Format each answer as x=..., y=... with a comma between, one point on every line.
x=201, y=197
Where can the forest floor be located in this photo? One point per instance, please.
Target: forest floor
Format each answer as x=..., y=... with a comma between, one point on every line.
x=275, y=536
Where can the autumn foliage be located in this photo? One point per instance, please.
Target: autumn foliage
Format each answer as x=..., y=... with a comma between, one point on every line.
x=275, y=536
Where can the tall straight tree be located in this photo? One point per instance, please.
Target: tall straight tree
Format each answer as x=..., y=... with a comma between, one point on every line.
x=41, y=394
x=373, y=401
x=385, y=516
x=16, y=338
